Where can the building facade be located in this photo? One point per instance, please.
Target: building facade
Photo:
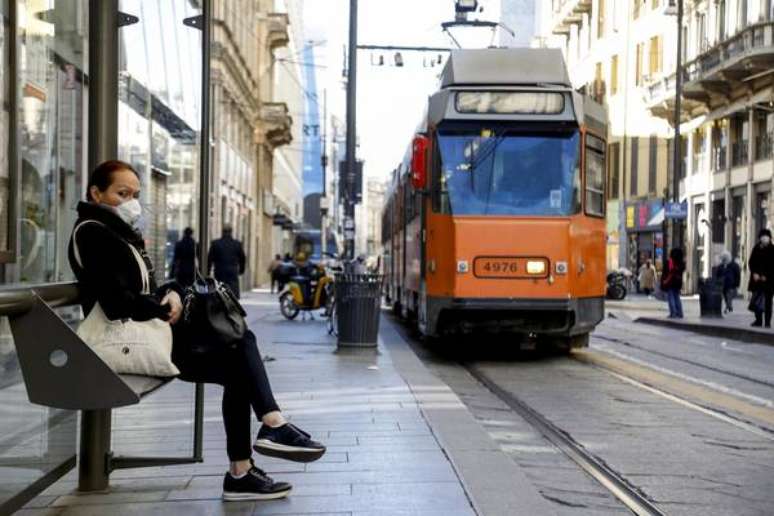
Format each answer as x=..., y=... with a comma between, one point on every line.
x=728, y=126
x=613, y=50
x=290, y=90
x=520, y=17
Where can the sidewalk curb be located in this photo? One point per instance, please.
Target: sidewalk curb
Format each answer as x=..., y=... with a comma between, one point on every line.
x=741, y=334
x=494, y=483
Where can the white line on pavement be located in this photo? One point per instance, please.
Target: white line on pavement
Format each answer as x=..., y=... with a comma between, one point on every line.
x=712, y=385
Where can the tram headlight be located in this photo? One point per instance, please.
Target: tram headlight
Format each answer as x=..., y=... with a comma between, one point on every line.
x=507, y=102
x=536, y=267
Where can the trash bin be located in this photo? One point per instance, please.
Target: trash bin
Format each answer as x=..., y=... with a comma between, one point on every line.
x=358, y=305
x=710, y=297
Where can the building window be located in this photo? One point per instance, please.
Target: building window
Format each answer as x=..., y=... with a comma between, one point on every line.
x=718, y=223
x=740, y=132
x=702, y=44
x=652, y=163
x=614, y=170
x=598, y=91
x=719, y=145
x=655, y=56
x=654, y=4
x=638, y=64
x=636, y=8
x=720, y=18
x=614, y=75
x=633, y=187
x=600, y=19
x=763, y=134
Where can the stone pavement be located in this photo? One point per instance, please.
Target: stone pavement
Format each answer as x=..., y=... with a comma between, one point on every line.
x=399, y=440
x=735, y=325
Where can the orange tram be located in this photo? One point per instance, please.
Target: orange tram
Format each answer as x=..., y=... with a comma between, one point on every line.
x=495, y=219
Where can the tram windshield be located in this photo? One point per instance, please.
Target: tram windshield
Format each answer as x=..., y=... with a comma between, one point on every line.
x=491, y=172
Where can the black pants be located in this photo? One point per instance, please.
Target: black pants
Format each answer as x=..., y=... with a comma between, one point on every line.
x=244, y=380
x=766, y=314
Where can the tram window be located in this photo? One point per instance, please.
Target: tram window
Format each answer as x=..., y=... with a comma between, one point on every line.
x=595, y=176
x=504, y=173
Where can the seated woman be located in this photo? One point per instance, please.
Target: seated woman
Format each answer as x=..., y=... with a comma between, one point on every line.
x=111, y=276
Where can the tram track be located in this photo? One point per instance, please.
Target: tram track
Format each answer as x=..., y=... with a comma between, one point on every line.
x=629, y=495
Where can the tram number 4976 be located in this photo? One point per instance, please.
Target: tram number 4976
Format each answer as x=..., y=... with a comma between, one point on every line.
x=500, y=267
x=496, y=267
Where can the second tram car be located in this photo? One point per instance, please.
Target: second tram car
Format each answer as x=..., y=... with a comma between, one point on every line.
x=495, y=219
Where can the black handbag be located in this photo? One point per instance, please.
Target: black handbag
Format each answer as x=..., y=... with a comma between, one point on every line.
x=757, y=301
x=212, y=314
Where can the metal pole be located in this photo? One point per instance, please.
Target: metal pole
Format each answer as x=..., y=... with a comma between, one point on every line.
x=677, y=157
x=204, y=203
x=103, y=145
x=103, y=81
x=324, y=166
x=349, y=219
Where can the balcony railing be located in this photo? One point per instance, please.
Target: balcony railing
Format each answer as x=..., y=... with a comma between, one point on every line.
x=702, y=75
x=763, y=146
x=718, y=159
x=739, y=154
x=751, y=40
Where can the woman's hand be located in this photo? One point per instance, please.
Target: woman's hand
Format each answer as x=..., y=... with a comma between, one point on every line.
x=176, y=306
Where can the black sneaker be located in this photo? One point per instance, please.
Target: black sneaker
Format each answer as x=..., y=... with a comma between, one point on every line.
x=287, y=442
x=255, y=485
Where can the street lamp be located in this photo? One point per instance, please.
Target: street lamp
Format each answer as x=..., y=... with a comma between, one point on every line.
x=466, y=6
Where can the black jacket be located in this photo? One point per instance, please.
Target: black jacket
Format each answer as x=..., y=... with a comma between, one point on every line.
x=762, y=263
x=110, y=273
x=228, y=258
x=184, y=261
x=729, y=274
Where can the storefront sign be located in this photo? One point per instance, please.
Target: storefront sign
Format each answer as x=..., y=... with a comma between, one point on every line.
x=676, y=210
x=644, y=215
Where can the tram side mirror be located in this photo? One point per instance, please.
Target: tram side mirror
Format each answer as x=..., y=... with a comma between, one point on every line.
x=419, y=162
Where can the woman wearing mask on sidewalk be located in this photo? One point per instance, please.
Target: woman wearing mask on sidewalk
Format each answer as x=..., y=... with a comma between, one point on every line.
x=672, y=283
x=761, y=283
x=109, y=273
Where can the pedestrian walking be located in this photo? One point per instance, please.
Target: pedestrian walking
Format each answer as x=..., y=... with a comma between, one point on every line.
x=761, y=285
x=274, y=272
x=729, y=275
x=109, y=266
x=647, y=278
x=227, y=257
x=184, y=260
x=672, y=283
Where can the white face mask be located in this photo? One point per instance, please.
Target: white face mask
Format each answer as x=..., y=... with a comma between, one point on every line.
x=765, y=240
x=130, y=212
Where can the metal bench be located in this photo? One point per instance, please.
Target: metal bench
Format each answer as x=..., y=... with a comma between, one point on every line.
x=61, y=371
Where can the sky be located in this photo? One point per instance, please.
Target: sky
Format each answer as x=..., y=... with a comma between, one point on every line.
x=391, y=100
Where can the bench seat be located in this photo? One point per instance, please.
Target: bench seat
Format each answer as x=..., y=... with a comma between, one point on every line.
x=143, y=385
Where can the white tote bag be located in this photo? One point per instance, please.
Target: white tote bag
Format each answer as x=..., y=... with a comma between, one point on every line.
x=128, y=346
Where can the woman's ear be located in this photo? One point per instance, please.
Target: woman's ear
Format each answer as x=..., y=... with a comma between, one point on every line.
x=95, y=194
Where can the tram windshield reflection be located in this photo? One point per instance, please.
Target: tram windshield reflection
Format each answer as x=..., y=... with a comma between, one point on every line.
x=486, y=172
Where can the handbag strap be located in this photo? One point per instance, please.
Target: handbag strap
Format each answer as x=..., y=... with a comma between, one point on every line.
x=144, y=275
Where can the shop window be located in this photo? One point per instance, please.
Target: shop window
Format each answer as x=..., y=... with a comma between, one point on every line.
x=761, y=212
x=738, y=222
x=595, y=176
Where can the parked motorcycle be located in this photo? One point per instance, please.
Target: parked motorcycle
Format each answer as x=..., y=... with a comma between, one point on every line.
x=616, y=285
x=308, y=288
